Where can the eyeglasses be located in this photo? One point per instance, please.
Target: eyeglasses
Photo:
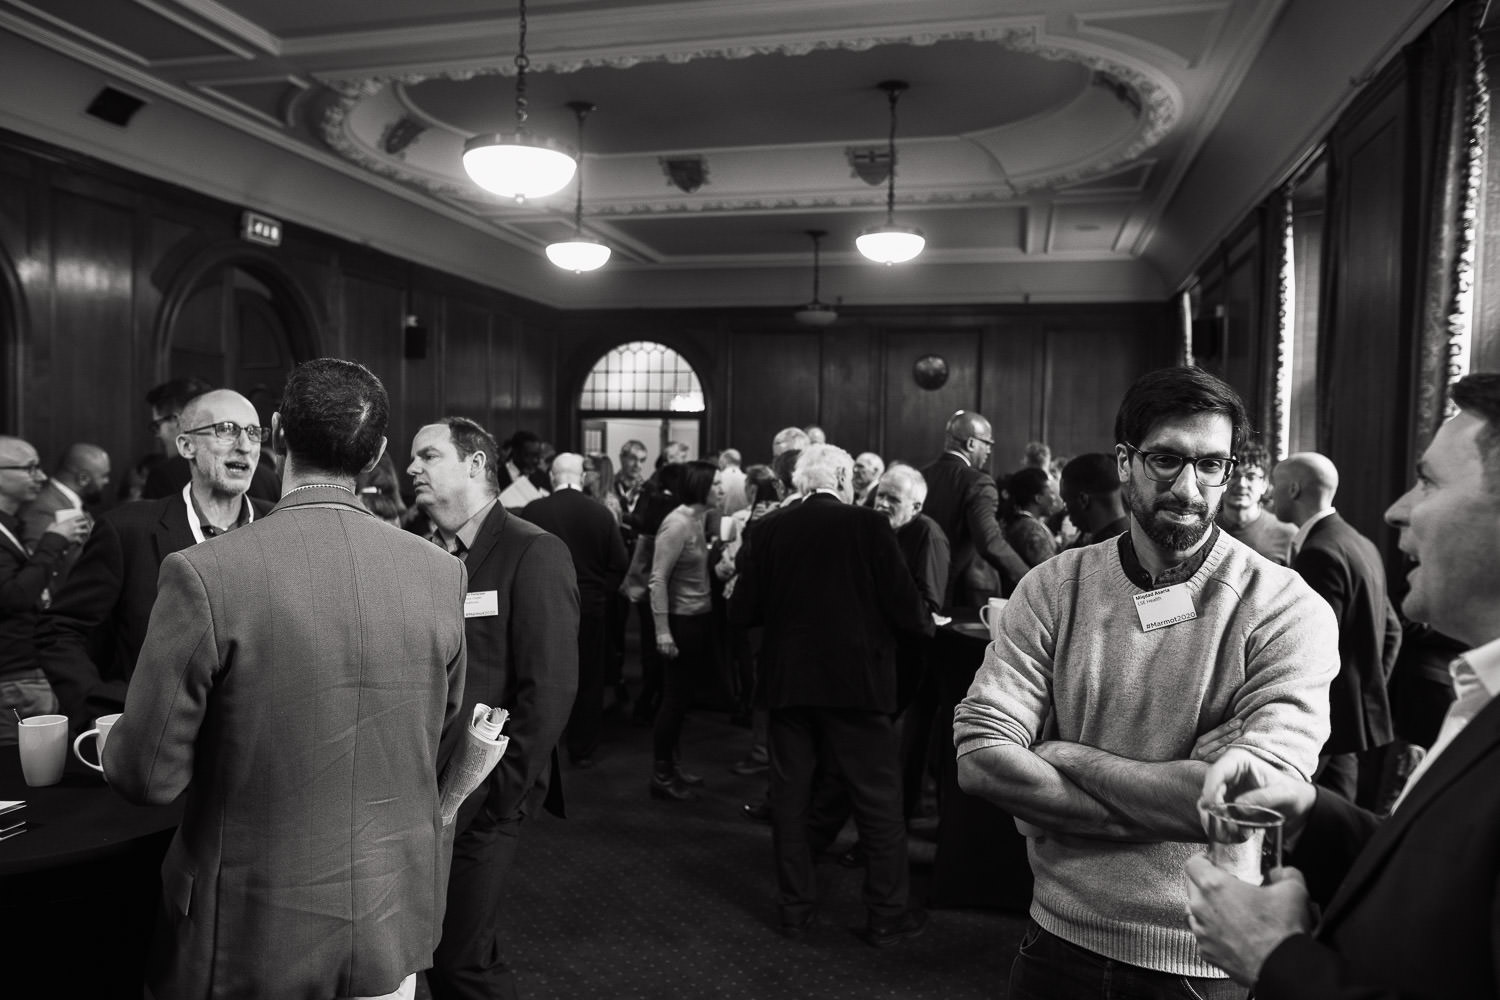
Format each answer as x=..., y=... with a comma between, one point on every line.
x=984, y=441
x=156, y=422
x=1165, y=467
x=1250, y=475
x=30, y=468
x=228, y=430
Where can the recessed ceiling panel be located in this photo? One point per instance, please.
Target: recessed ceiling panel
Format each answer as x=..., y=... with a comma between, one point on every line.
x=264, y=98
x=299, y=17
x=1087, y=227
x=133, y=28
x=774, y=99
x=1186, y=34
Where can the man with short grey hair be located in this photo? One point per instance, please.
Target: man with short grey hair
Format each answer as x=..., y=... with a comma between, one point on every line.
x=789, y=439
x=868, y=468
x=828, y=582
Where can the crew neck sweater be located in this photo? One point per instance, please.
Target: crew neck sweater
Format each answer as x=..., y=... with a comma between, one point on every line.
x=1073, y=663
x=1268, y=535
x=679, y=568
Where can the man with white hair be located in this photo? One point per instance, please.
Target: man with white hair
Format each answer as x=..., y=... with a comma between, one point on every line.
x=828, y=582
x=868, y=468
x=732, y=481
x=1345, y=569
x=789, y=439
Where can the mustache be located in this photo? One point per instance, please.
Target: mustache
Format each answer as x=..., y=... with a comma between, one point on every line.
x=1198, y=507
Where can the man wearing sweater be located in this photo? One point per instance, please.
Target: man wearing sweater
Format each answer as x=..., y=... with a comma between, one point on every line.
x=1122, y=668
x=1242, y=514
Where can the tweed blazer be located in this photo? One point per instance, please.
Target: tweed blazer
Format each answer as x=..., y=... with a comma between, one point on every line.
x=296, y=681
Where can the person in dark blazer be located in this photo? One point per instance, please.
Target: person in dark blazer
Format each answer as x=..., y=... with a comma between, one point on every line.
x=521, y=619
x=26, y=573
x=828, y=582
x=599, y=561
x=88, y=640
x=962, y=499
x=77, y=484
x=296, y=691
x=1416, y=915
x=1345, y=569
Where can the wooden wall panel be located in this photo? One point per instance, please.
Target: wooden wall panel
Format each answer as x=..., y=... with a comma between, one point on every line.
x=848, y=385
x=1365, y=396
x=915, y=417
x=1012, y=387
x=535, y=387
x=1089, y=369
x=466, y=360
x=371, y=310
x=776, y=382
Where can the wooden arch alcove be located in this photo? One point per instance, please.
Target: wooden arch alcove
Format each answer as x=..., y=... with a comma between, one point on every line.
x=236, y=318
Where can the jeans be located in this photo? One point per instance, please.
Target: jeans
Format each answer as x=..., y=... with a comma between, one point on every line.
x=1049, y=968
x=26, y=692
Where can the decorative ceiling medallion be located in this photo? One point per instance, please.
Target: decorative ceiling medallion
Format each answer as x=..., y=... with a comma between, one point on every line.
x=871, y=164
x=686, y=173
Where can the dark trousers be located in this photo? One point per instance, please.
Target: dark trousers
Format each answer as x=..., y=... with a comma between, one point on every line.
x=918, y=726
x=693, y=635
x=1049, y=968
x=467, y=964
x=809, y=742
x=647, y=702
x=588, y=703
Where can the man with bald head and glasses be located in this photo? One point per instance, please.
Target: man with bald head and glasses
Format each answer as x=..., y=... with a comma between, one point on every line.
x=88, y=640
x=1121, y=670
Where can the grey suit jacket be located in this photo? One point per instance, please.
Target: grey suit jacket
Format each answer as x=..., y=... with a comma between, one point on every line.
x=295, y=683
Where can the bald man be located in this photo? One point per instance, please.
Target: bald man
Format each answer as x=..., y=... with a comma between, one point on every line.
x=26, y=573
x=588, y=529
x=962, y=498
x=1346, y=570
x=88, y=640
x=78, y=482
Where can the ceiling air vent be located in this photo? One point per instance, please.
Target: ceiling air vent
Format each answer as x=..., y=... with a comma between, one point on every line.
x=114, y=106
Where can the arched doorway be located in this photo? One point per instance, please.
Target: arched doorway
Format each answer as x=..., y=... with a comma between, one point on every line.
x=238, y=323
x=642, y=391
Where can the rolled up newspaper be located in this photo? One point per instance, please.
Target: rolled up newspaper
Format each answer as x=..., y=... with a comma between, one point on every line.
x=482, y=749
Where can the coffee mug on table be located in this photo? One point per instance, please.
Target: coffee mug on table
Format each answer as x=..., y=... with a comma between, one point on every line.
x=101, y=730
x=43, y=741
x=990, y=615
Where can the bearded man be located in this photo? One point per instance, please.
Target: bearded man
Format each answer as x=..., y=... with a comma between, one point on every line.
x=1122, y=669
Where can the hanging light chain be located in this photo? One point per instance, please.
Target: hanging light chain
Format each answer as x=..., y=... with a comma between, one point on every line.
x=817, y=238
x=582, y=109
x=893, y=91
x=522, y=64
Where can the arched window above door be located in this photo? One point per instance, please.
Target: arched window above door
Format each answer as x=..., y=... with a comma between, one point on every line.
x=642, y=376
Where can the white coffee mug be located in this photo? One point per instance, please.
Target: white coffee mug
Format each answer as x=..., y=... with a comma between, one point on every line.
x=101, y=730
x=990, y=615
x=43, y=742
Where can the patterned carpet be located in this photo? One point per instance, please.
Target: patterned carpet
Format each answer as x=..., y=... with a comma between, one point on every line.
x=634, y=897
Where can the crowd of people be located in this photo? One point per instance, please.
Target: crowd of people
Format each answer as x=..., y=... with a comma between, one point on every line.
x=298, y=644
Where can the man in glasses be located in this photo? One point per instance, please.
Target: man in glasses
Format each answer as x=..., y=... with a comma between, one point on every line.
x=1122, y=669
x=88, y=641
x=1242, y=514
x=26, y=572
x=962, y=499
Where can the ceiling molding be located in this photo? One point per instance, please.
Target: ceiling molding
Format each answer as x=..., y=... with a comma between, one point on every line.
x=220, y=17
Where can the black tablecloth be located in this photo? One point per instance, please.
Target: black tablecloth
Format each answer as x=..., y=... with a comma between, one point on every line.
x=981, y=858
x=83, y=880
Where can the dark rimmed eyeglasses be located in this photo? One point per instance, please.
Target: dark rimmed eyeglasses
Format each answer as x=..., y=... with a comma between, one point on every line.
x=1165, y=467
x=228, y=430
x=30, y=468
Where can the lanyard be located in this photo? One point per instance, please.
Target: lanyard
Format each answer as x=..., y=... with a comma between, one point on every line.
x=196, y=526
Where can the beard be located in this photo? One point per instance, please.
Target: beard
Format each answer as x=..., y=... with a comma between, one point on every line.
x=1169, y=535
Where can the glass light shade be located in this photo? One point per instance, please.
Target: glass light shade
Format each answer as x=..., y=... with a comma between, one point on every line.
x=891, y=244
x=517, y=165
x=815, y=314
x=578, y=254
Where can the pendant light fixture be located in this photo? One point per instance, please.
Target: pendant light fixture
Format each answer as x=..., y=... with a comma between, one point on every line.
x=519, y=164
x=816, y=312
x=580, y=253
x=890, y=243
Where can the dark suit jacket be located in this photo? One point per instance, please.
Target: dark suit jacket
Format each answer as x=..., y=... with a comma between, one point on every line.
x=88, y=641
x=296, y=682
x=1345, y=569
x=828, y=582
x=593, y=538
x=23, y=578
x=963, y=500
x=925, y=549
x=1417, y=916
x=523, y=659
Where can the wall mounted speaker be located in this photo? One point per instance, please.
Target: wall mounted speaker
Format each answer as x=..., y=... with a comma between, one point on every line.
x=114, y=107
x=416, y=343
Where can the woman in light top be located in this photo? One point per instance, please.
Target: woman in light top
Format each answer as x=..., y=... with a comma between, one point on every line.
x=1028, y=498
x=681, y=607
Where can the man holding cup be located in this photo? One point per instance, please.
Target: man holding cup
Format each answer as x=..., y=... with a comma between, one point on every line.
x=1417, y=913
x=1120, y=668
x=26, y=573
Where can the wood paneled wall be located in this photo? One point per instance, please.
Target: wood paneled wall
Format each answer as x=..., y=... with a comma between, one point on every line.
x=1038, y=373
x=95, y=261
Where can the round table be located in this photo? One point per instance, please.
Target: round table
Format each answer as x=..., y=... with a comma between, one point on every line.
x=83, y=880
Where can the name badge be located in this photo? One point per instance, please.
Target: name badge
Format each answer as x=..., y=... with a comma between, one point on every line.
x=481, y=604
x=1167, y=606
